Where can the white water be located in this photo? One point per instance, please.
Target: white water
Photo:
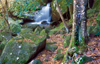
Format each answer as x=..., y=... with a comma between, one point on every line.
x=43, y=15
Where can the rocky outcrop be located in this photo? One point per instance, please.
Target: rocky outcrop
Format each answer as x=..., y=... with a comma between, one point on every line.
x=24, y=47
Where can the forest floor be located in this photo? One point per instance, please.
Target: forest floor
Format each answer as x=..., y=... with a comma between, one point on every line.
x=93, y=49
x=94, y=44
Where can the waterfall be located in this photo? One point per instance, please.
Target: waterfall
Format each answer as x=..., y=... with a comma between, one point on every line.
x=44, y=15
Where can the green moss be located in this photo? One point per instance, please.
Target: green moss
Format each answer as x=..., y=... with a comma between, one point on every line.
x=2, y=45
x=38, y=30
x=59, y=50
x=66, y=42
x=91, y=12
x=83, y=59
x=96, y=5
x=96, y=30
x=51, y=47
x=20, y=48
x=59, y=56
x=60, y=29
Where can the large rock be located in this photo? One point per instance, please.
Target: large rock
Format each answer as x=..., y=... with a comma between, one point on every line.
x=24, y=47
x=14, y=26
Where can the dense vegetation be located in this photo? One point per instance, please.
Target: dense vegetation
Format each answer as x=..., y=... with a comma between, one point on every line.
x=22, y=42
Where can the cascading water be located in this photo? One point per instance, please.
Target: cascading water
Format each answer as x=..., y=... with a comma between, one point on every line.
x=43, y=15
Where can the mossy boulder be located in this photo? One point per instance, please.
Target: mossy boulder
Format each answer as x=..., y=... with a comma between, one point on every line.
x=51, y=47
x=24, y=47
x=2, y=45
x=14, y=26
x=59, y=56
x=31, y=26
x=66, y=42
x=5, y=36
x=60, y=29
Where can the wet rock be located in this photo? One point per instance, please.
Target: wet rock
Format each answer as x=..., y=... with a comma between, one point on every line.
x=24, y=47
x=36, y=61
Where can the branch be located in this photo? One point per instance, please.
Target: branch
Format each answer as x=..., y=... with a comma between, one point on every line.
x=62, y=18
x=3, y=9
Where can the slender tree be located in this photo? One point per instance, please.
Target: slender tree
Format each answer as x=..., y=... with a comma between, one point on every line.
x=62, y=18
x=79, y=32
x=5, y=13
x=79, y=22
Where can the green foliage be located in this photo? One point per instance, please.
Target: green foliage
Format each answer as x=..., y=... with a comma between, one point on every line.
x=51, y=47
x=18, y=7
x=83, y=59
x=89, y=29
x=72, y=63
x=59, y=50
x=3, y=25
x=98, y=19
x=66, y=42
x=96, y=30
x=96, y=5
x=91, y=12
x=20, y=48
x=69, y=2
x=15, y=28
x=60, y=29
x=2, y=45
x=38, y=30
x=59, y=56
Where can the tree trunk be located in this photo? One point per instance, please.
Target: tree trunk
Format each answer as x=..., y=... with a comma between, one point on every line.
x=79, y=22
x=76, y=20
x=83, y=32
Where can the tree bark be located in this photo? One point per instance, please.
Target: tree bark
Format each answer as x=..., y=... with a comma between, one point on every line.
x=79, y=22
x=83, y=30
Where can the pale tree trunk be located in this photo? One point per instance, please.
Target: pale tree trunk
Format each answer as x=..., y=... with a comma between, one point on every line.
x=79, y=28
x=79, y=22
x=76, y=20
x=83, y=26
